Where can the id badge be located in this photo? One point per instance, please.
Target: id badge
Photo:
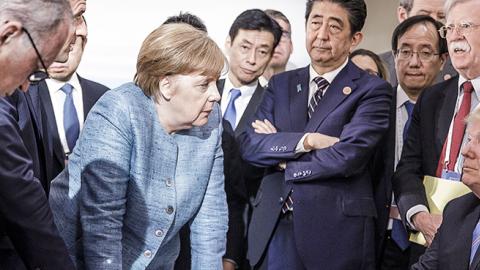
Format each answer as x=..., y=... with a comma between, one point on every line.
x=450, y=175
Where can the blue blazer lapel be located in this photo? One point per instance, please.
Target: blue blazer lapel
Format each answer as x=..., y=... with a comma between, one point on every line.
x=334, y=95
x=298, y=95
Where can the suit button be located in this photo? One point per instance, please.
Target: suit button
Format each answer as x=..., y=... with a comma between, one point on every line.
x=169, y=210
x=147, y=253
x=158, y=233
x=169, y=182
x=280, y=200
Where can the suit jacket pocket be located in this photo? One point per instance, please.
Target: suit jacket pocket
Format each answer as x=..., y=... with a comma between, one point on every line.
x=359, y=207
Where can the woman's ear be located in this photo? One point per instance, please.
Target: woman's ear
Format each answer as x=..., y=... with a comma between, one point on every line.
x=166, y=88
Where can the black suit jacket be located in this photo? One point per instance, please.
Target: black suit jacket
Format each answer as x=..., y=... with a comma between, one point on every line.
x=241, y=179
x=382, y=169
x=91, y=91
x=450, y=249
x=428, y=130
x=387, y=58
x=25, y=217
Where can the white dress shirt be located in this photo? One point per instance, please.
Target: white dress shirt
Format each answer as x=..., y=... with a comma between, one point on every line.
x=241, y=102
x=58, y=99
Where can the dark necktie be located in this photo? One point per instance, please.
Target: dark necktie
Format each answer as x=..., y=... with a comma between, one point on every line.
x=457, y=131
x=231, y=113
x=322, y=84
x=399, y=233
x=70, y=118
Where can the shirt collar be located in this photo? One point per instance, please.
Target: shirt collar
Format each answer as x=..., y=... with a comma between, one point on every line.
x=475, y=82
x=402, y=97
x=55, y=85
x=246, y=90
x=329, y=76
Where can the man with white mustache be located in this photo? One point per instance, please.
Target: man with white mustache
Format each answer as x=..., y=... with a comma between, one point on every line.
x=436, y=133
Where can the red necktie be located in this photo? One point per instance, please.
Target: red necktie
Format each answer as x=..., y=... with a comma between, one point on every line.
x=458, y=130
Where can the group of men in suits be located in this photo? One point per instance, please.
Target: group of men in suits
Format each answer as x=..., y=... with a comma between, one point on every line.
x=34, y=132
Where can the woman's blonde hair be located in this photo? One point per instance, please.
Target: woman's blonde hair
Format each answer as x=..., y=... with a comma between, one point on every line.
x=176, y=49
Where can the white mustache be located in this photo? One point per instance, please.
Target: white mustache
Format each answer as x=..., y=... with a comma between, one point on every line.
x=459, y=45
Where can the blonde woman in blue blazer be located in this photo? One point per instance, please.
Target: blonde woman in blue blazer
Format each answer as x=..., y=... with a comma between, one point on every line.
x=149, y=161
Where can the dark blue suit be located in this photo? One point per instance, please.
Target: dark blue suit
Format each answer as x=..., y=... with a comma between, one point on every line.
x=25, y=217
x=334, y=208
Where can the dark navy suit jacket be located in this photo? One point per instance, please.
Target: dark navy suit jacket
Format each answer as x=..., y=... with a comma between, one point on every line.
x=451, y=247
x=334, y=208
x=25, y=217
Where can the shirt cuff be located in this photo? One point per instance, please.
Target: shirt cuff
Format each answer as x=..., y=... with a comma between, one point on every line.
x=300, y=148
x=414, y=210
x=232, y=261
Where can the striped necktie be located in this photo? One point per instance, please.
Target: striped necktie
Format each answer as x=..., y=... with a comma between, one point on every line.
x=322, y=84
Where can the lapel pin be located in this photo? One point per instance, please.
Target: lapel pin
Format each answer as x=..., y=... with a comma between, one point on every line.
x=299, y=88
x=347, y=90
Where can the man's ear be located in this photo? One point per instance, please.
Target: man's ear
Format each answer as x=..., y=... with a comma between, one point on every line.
x=9, y=30
x=166, y=88
x=356, y=39
x=402, y=14
x=228, y=44
x=443, y=59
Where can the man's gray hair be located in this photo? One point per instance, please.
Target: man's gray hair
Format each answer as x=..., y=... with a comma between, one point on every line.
x=449, y=4
x=474, y=116
x=39, y=17
x=407, y=5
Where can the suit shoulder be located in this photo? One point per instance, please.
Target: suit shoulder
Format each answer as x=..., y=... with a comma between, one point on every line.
x=439, y=89
x=462, y=205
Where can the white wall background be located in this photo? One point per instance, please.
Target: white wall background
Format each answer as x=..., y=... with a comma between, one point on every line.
x=117, y=28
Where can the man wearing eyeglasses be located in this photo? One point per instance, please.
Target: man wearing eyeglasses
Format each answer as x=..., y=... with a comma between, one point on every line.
x=315, y=131
x=32, y=33
x=436, y=133
x=419, y=53
x=409, y=8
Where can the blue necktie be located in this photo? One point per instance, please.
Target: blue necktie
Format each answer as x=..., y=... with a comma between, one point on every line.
x=475, y=241
x=409, y=107
x=70, y=118
x=231, y=113
x=399, y=234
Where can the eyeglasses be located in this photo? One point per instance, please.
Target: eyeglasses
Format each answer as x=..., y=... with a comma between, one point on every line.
x=406, y=54
x=38, y=75
x=461, y=28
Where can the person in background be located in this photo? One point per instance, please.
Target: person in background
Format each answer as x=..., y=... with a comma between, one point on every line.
x=65, y=98
x=188, y=18
x=420, y=53
x=370, y=62
x=32, y=35
x=409, y=8
x=157, y=165
x=250, y=45
x=284, y=49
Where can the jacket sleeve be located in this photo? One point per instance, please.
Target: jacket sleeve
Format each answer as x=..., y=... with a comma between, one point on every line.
x=209, y=227
x=23, y=203
x=266, y=150
x=105, y=147
x=358, y=140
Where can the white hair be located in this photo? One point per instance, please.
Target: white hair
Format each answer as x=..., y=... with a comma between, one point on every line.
x=39, y=17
